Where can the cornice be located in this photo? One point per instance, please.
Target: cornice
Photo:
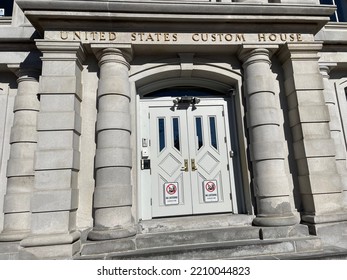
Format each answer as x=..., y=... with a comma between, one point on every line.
x=45, y=14
x=178, y=7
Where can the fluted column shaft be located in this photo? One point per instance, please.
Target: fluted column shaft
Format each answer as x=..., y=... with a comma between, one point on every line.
x=271, y=182
x=113, y=162
x=20, y=168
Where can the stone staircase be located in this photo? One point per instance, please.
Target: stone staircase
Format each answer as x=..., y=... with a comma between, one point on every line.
x=203, y=237
x=210, y=237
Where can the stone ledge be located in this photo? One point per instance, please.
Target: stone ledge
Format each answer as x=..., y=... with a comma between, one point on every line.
x=182, y=238
x=327, y=253
x=268, y=233
x=104, y=247
x=194, y=223
x=9, y=33
x=179, y=7
x=218, y=250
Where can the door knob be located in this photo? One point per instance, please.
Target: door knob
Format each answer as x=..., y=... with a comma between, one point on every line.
x=185, y=167
x=194, y=168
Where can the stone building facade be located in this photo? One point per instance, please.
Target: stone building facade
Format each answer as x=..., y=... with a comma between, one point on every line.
x=173, y=129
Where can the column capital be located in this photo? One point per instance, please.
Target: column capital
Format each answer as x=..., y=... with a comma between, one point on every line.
x=299, y=51
x=251, y=51
x=119, y=53
x=326, y=67
x=30, y=68
x=25, y=73
x=56, y=50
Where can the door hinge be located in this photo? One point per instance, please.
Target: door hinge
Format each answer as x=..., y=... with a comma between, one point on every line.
x=231, y=153
x=151, y=201
x=225, y=139
x=222, y=113
x=149, y=115
x=228, y=168
x=231, y=198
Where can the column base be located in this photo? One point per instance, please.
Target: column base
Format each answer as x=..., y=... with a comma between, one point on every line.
x=13, y=236
x=98, y=234
x=275, y=221
x=53, y=252
x=52, y=246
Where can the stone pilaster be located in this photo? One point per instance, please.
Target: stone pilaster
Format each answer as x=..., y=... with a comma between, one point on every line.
x=314, y=147
x=20, y=168
x=55, y=198
x=336, y=129
x=113, y=193
x=267, y=143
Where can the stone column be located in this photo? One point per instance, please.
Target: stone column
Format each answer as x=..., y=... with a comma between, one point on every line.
x=267, y=143
x=113, y=193
x=20, y=168
x=55, y=198
x=314, y=148
x=335, y=128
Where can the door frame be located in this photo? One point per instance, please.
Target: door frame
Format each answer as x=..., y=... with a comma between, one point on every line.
x=144, y=194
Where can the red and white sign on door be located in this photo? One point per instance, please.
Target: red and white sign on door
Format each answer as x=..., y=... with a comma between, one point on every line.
x=171, y=193
x=210, y=191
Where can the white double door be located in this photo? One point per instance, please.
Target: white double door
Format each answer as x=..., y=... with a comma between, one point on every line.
x=190, y=159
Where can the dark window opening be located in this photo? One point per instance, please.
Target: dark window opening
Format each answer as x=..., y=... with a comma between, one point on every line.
x=176, y=133
x=7, y=5
x=340, y=14
x=161, y=128
x=183, y=91
x=198, y=130
x=213, y=132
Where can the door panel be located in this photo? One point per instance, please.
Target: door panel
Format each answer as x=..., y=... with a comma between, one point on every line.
x=168, y=155
x=189, y=152
x=211, y=159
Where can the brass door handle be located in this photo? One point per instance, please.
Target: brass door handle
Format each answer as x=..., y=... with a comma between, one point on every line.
x=194, y=167
x=185, y=167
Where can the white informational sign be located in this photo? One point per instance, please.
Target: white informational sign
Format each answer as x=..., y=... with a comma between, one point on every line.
x=210, y=191
x=171, y=193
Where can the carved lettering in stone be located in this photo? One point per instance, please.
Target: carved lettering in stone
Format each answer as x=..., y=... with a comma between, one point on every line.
x=88, y=36
x=154, y=37
x=218, y=37
x=284, y=37
x=177, y=38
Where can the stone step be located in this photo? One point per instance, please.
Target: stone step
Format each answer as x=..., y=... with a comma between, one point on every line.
x=326, y=253
x=216, y=242
x=168, y=239
x=222, y=250
x=195, y=223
